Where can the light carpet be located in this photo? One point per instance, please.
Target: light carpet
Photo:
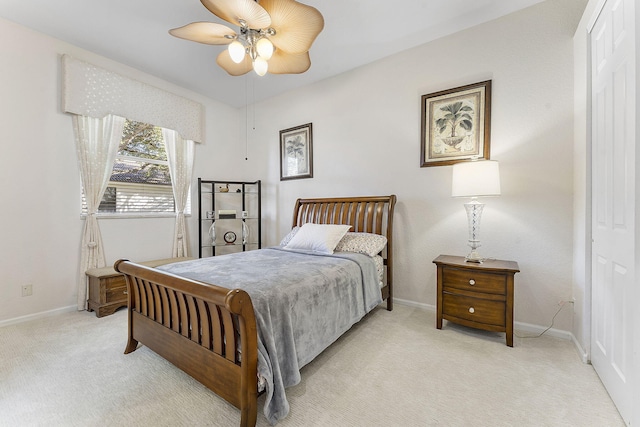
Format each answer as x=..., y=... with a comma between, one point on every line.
x=392, y=369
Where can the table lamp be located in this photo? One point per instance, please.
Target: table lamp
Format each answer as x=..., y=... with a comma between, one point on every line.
x=475, y=179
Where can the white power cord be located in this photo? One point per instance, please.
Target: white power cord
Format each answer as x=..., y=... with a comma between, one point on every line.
x=561, y=304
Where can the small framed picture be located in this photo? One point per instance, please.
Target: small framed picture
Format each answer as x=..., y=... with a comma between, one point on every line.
x=456, y=125
x=296, y=152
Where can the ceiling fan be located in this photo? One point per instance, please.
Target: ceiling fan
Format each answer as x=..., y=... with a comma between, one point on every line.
x=275, y=35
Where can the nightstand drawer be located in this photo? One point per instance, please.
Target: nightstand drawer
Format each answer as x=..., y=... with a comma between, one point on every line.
x=474, y=281
x=479, y=310
x=116, y=290
x=107, y=291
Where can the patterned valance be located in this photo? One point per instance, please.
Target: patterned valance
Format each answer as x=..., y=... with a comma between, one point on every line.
x=95, y=92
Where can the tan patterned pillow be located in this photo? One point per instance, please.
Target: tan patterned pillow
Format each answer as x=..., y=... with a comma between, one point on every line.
x=363, y=243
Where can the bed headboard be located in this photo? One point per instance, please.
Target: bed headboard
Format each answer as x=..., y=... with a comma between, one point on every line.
x=371, y=214
x=368, y=214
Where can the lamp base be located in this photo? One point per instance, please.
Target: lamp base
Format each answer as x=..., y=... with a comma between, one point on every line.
x=474, y=213
x=474, y=257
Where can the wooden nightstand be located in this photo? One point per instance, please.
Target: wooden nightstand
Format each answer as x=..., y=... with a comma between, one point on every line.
x=476, y=295
x=107, y=291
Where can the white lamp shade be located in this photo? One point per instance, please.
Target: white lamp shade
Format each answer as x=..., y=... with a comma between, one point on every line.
x=260, y=66
x=476, y=178
x=236, y=51
x=264, y=47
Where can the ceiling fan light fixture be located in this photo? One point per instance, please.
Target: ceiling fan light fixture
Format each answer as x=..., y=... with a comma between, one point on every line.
x=236, y=51
x=278, y=31
x=264, y=47
x=260, y=66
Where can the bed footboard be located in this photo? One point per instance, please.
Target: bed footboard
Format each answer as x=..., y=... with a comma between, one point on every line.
x=207, y=331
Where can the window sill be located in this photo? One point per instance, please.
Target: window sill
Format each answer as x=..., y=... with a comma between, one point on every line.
x=133, y=215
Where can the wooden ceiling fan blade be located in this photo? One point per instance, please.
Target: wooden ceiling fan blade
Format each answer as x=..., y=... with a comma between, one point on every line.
x=297, y=25
x=226, y=63
x=205, y=32
x=233, y=11
x=289, y=63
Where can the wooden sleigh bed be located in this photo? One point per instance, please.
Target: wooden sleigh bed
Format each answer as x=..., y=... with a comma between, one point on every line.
x=210, y=331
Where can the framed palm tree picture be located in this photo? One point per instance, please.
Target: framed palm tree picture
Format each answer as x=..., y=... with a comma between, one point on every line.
x=456, y=125
x=296, y=152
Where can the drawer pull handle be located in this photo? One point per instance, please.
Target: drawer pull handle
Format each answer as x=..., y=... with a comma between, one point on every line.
x=472, y=282
x=125, y=292
x=472, y=310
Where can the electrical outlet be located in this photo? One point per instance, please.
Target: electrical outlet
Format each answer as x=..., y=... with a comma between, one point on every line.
x=27, y=290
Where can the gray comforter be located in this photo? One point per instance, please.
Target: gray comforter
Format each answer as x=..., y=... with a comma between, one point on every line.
x=303, y=302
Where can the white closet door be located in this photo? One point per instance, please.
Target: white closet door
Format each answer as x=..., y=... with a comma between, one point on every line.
x=613, y=194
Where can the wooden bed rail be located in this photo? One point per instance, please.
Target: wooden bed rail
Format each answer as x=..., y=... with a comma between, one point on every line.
x=366, y=214
x=216, y=326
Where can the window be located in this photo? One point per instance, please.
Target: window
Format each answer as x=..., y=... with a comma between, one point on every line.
x=140, y=182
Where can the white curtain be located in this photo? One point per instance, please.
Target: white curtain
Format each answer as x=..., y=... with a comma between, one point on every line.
x=180, y=153
x=97, y=142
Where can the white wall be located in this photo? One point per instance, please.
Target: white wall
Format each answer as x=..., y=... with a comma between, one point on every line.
x=40, y=222
x=366, y=141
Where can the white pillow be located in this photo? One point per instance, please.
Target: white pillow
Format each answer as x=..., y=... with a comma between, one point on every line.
x=364, y=243
x=286, y=239
x=318, y=237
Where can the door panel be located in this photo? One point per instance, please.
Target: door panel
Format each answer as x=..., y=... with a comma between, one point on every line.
x=613, y=198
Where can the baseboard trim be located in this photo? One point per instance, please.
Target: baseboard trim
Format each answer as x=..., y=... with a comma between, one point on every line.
x=584, y=355
x=537, y=330
x=408, y=303
x=39, y=315
x=524, y=327
x=519, y=326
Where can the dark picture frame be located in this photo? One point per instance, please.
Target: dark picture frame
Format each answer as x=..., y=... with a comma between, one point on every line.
x=296, y=152
x=456, y=125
